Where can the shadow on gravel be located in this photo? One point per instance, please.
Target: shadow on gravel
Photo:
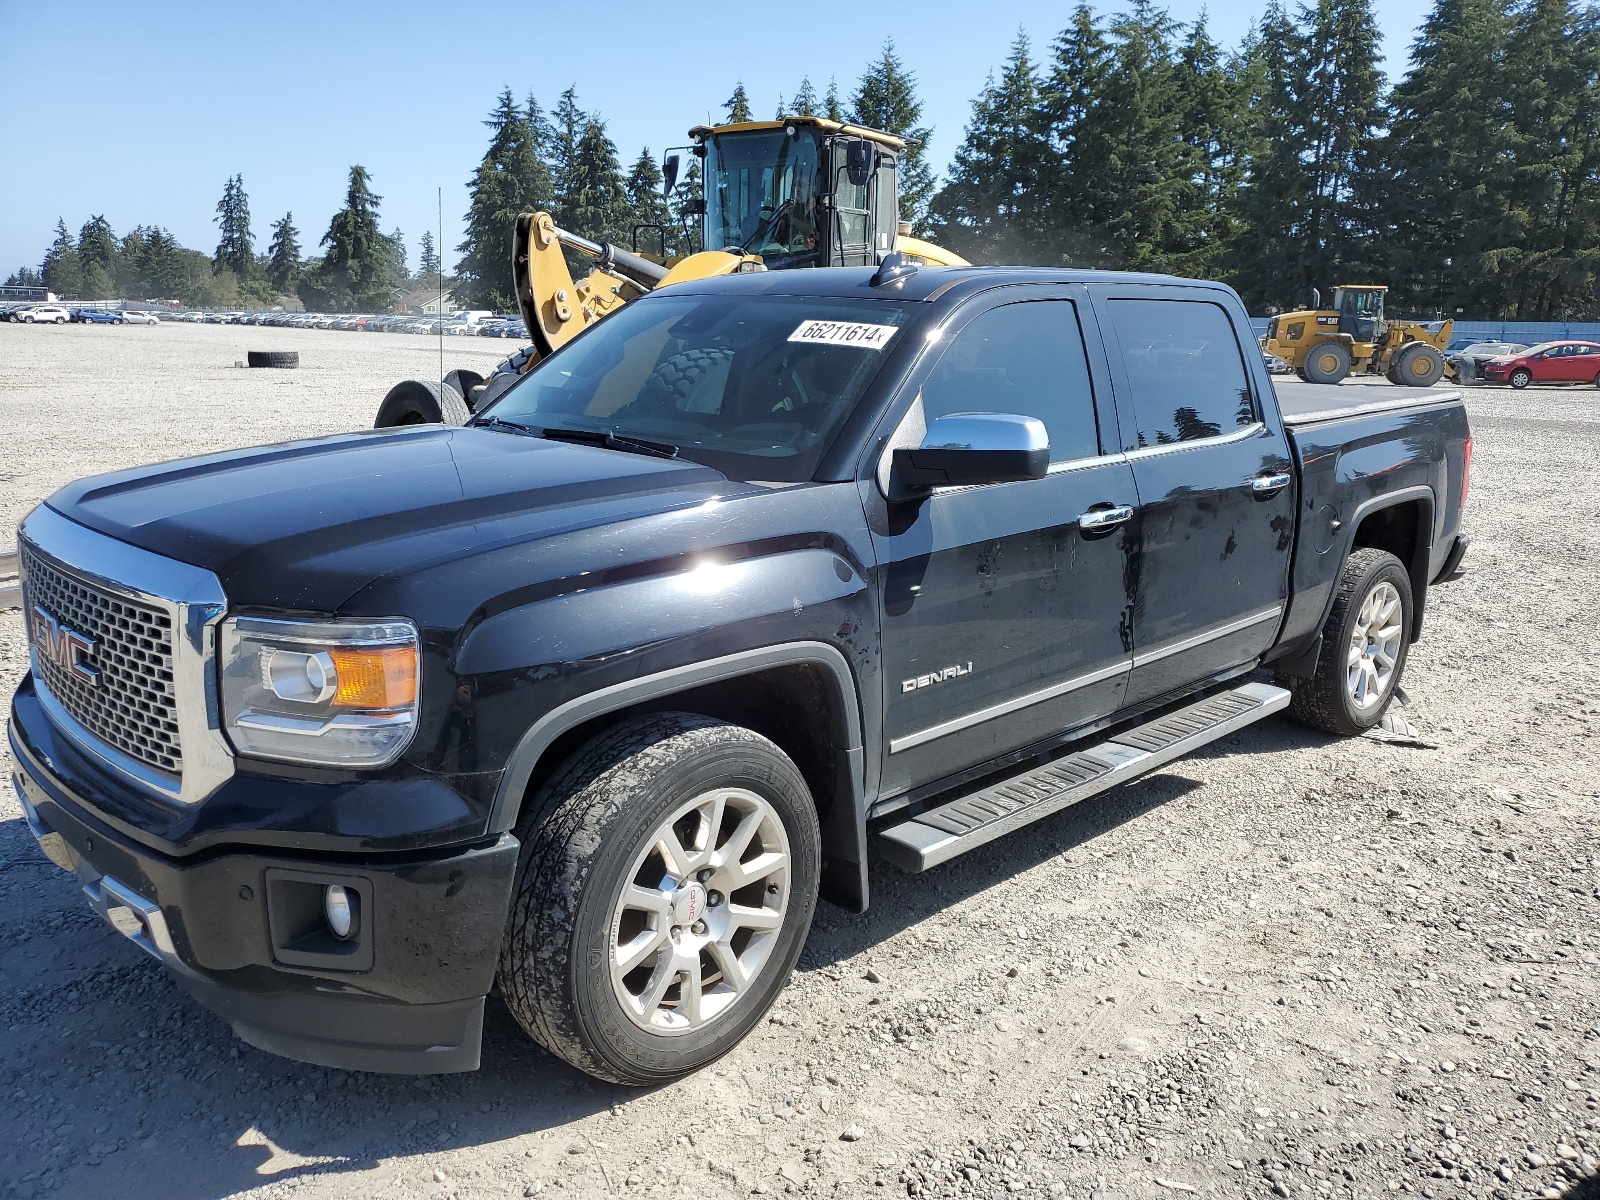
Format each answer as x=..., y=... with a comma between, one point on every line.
x=901, y=899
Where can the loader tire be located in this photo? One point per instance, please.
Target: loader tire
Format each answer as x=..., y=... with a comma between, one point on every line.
x=1327, y=363
x=284, y=359
x=422, y=402
x=1419, y=365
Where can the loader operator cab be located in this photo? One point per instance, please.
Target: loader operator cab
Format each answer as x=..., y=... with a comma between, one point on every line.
x=1360, y=311
x=800, y=192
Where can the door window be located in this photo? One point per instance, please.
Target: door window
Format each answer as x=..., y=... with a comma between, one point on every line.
x=1184, y=369
x=1025, y=358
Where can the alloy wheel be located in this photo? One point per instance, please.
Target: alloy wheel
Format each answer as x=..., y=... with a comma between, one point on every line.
x=1375, y=643
x=700, y=911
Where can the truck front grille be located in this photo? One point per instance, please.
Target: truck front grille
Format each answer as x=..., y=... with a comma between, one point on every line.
x=132, y=704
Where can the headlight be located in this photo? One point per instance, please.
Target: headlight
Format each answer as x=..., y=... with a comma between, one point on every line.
x=331, y=693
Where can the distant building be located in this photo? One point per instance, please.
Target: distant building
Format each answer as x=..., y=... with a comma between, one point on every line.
x=426, y=301
x=14, y=291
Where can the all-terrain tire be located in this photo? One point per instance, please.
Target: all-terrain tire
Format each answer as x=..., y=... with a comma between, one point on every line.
x=282, y=359
x=581, y=834
x=421, y=402
x=1328, y=362
x=1323, y=701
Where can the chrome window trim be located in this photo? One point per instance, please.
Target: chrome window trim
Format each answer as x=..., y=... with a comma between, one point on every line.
x=1222, y=439
x=1005, y=707
x=196, y=602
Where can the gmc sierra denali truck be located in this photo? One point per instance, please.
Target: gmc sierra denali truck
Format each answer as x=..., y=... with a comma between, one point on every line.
x=591, y=699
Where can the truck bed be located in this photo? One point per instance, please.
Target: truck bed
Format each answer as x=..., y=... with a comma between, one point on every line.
x=1312, y=403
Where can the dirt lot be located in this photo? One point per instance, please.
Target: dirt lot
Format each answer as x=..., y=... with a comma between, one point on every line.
x=1293, y=966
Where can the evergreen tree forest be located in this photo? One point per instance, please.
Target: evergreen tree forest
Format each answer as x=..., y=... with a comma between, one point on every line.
x=1128, y=141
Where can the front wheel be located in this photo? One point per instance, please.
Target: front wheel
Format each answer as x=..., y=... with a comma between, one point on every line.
x=1364, y=644
x=668, y=877
x=1327, y=363
x=1520, y=379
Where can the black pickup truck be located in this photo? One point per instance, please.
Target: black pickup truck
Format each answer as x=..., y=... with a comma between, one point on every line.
x=590, y=699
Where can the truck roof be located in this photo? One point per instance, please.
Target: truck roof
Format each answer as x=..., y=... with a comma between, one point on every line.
x=926, y=283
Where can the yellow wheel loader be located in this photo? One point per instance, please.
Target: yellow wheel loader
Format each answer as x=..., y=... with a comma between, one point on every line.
x=776, y=195
x=1326, y=345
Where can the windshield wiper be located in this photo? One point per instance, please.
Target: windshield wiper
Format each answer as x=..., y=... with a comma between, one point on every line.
x=612, y=441
x=508, y=426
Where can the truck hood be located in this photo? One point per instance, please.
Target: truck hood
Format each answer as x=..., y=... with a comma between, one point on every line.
x=305, y=525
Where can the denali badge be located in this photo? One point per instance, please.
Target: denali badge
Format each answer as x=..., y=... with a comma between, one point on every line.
x=67, y=648
x=922, y=681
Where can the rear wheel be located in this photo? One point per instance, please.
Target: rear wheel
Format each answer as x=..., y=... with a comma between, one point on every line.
x=1520, y=378
x=1327, y=363
x=1364, y=645
x=422, y=402
x=1419, y=365
x=668, y=878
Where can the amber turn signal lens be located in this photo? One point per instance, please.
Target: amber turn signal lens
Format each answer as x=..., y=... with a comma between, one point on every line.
x=374, y=676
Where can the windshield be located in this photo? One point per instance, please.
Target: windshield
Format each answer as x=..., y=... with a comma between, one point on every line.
x=755, y=387
x=761, y=193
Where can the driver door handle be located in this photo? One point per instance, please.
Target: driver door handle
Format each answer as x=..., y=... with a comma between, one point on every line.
x=1105, y=518
x=1269, y=482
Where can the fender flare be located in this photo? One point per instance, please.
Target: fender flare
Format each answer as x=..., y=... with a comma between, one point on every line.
x=1421, y=566
x=559, y=720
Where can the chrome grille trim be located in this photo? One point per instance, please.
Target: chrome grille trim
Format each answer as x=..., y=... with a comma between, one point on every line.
x=58, y=549
x=133, y=704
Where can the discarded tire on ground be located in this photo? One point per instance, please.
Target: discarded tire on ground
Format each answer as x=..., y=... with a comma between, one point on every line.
x=273, y=358
x=422, y=402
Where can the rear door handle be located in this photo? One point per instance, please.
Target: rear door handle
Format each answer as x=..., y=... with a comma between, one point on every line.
x=1097, y=519
x=1269, y=482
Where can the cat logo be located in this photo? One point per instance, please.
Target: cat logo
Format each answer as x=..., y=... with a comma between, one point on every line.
x=922, y=681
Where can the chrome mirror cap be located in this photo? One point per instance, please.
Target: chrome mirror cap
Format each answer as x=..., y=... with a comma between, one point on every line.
x=968, y=449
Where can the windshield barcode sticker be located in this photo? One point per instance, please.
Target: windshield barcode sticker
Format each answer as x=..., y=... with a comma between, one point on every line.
x=844, y=333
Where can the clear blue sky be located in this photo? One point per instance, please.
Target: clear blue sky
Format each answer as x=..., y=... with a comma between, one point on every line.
x=140, y=111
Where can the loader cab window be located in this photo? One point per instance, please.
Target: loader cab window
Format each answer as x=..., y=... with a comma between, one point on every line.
x=1360, y=312
x=762, y=193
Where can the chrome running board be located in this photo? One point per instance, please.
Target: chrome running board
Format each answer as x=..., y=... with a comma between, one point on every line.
x=939, y=834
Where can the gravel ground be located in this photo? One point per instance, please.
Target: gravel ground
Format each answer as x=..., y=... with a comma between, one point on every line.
x=1291, y=966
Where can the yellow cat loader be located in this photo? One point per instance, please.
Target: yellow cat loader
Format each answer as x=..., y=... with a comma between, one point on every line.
x=1326, y=345
x=777, y=195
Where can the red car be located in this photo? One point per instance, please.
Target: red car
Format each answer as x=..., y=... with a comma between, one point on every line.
x=1548, y=362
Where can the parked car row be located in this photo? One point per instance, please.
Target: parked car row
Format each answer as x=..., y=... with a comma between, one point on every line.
x=462, y=324
x=57, y=314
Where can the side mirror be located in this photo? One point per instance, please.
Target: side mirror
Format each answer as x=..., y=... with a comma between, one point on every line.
x=669, y=174
x=973, y=448
x=860, y=159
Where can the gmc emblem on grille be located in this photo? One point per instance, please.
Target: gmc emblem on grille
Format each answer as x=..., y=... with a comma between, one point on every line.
x=65, y=647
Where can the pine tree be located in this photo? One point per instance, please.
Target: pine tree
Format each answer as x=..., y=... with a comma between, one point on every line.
x=596, y=196
x=804, y=103
x=428, y=265
x=161, y=267
x=130, y=251
x=646, y=204
x=283, y=255
x=235, y=249
x=685, y=197
x=886, y=99
x=566, y=129
x=511, y=179
x=97, y=260
x=1072, y=101
x=831, y=108
x=1449, y=161
x=993, y=207
x=1210, y=121
x=737, y=106
x=357, y=272
x=25, y=277
x=397, y=253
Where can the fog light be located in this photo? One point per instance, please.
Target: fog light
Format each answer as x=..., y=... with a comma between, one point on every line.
x=336, y=905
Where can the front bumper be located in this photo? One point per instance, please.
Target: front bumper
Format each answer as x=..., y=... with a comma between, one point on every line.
x=239, y=931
